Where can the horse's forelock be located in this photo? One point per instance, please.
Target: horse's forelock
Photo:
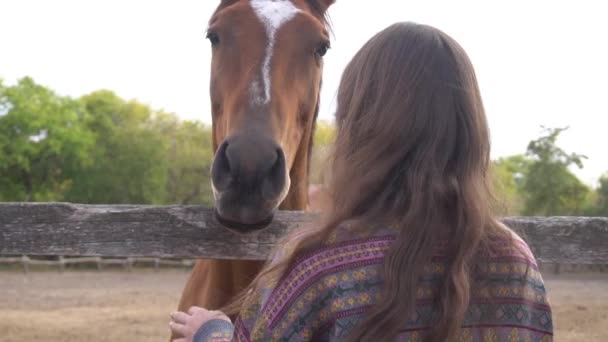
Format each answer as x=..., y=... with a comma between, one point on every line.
x=318, y=7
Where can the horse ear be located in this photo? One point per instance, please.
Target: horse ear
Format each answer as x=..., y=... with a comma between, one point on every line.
x=326, y=3
x=320, y=6
x=226, y=3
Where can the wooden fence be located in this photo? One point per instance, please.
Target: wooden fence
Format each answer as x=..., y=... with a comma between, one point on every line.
x=62, y=229
x=127, y=263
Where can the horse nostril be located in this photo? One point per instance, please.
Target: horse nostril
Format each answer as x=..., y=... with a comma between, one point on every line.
x=221, y=171
x=274, y=182
x=251, y=168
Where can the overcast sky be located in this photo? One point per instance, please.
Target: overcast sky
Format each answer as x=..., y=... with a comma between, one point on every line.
x=538, y=62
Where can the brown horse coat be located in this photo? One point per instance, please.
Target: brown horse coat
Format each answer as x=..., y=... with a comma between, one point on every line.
x=265, y=84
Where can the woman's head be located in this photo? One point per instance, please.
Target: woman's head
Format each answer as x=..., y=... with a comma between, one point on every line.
x=412, y=150
x=410, y=123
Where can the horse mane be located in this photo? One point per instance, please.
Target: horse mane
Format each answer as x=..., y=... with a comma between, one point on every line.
x=321, y=12
x=312, y=131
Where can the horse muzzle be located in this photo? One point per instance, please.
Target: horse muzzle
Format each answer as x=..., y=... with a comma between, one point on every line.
x=250, y=179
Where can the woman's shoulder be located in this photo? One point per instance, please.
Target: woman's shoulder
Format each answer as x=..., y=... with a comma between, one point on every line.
x=510, y=291
x=509, y=247
x=507, y=260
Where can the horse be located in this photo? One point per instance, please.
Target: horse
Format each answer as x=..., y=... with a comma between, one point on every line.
x=266, y=71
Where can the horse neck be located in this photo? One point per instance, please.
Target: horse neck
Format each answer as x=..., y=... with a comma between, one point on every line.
x=297, y=197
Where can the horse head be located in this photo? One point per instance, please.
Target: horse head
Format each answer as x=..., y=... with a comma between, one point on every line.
x=267, y=60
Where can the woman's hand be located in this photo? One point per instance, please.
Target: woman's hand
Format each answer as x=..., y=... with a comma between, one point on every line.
x=187, y=324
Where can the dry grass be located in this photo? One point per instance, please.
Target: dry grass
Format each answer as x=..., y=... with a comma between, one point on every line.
x=580, y=306
x=88, y=306
x=120, y=306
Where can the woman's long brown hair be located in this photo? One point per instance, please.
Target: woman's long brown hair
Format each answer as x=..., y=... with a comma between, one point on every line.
x=412, y=151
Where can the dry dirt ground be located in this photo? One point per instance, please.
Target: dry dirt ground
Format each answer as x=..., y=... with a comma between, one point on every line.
x=119, y=306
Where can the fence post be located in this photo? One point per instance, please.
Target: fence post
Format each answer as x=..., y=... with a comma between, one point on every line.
x=61, y=264
x=26, y=263
x=556, y=269
x=129, y=264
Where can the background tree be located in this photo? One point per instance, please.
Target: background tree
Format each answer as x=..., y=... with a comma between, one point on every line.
x=600, y=200
x=42, y=142
x=129, y=154
x=190, y=155
x=550, y=188
x=323, y=139
x=509, y=179
x=104, y=149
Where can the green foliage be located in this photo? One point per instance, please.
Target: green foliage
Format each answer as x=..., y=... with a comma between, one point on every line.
x=190, y=157
x=129, y=153
x=104, y=149
x=325, y=133
x=323, y=139
x=551, y=189
x=509, y=179
x=602, y=191
x=42, y=142
x=599, y=199
x=98, y=149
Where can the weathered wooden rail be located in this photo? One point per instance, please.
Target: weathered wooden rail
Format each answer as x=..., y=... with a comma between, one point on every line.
x=128, y=262
x=192, y=232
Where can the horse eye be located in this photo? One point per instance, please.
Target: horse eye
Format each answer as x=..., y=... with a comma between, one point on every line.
x=322, y=50
x=213, y=38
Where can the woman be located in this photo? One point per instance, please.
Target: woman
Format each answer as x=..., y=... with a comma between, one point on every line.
x=410, y=249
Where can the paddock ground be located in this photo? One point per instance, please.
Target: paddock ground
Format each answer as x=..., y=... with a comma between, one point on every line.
x=119, y=306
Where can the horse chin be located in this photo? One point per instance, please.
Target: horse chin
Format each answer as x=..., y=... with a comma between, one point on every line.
x=241, y=227
x=245, y=211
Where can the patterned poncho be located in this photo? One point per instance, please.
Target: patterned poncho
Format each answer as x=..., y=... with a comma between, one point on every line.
x=326, y=293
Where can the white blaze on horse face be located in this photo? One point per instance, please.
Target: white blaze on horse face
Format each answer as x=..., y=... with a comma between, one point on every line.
x=273, y=14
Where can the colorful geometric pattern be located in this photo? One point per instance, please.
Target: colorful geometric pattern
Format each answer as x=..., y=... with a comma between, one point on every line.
x=327, y=292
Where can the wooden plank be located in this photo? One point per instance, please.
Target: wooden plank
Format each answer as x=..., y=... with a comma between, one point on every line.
x=62, y=261
x=11, y=260
x=81, y=260
x=127, y=230
x=193, y=232
x=564, y=240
